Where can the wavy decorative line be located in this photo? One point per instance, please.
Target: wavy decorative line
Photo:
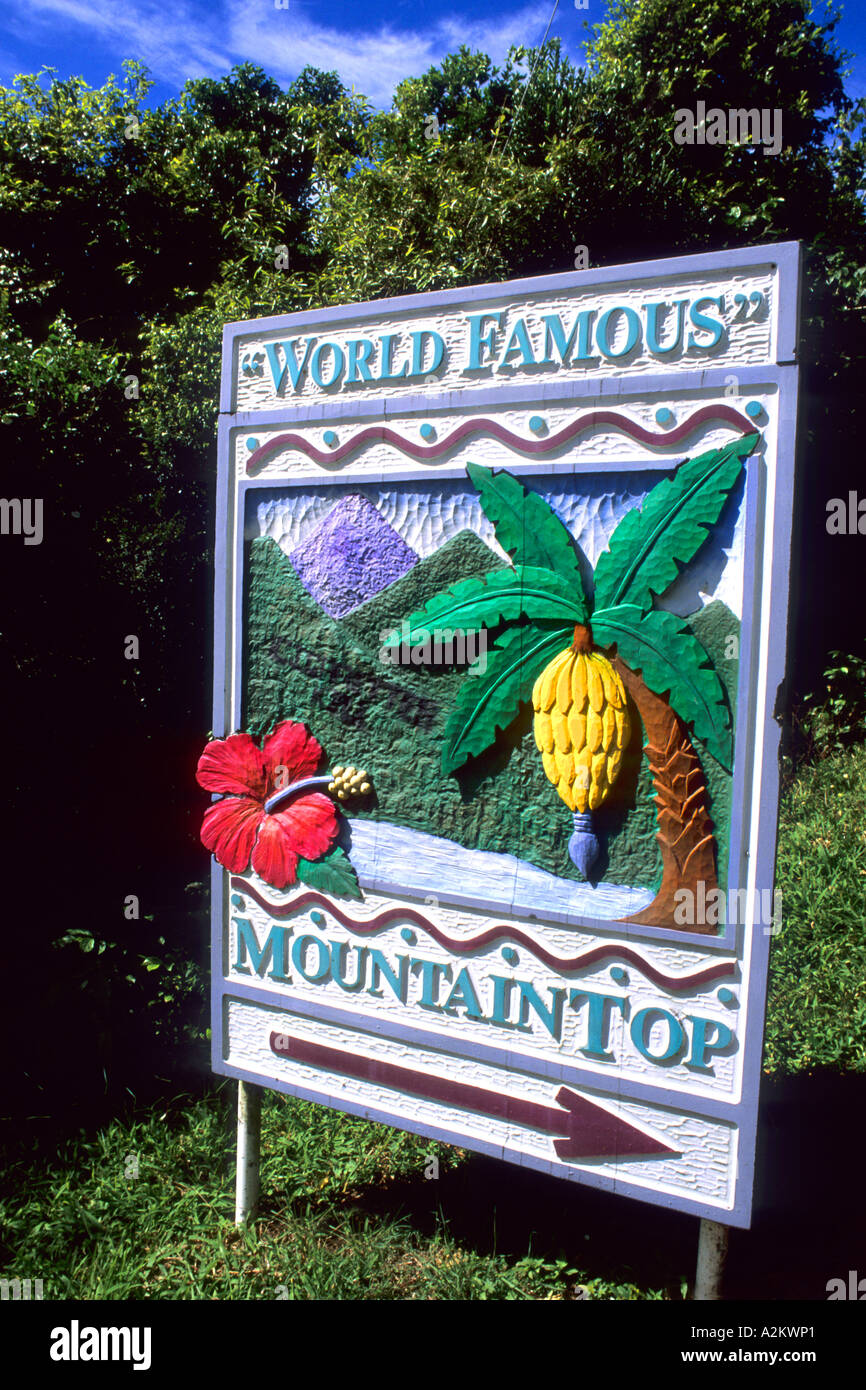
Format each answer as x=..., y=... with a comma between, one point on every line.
x=381, y=434
x=706, y=975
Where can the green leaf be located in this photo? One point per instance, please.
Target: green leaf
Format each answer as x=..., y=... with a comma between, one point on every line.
x=527, y=527
x=673, y=662
x=653, y=542
x=490, y=701
x=487, y=600
x=331, y=874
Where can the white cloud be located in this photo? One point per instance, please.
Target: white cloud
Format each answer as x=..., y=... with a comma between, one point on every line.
x=175, y=45
x=374, y=61
x=184, y=40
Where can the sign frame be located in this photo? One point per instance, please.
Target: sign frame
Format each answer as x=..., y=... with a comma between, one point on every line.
x=761, y=675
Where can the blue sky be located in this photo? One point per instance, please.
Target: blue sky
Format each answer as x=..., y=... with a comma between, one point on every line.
x=371, y=44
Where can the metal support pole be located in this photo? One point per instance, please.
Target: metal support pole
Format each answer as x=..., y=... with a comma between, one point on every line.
x=249, y=1136
x=712, y=1250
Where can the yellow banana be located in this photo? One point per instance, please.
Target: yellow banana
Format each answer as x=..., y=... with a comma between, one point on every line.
x=561, y=735
x=608, y=724
x=594, y=683
x=565, y=767
x=611, y=688
x=551, y=769
x=544, y=690
x=563, y=684
x=578, y=681
x=594, y=731
x=543, y=729
x=577, y=728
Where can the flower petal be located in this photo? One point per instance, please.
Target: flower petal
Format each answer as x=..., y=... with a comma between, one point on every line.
x=274, y=860
x=310, y=822
x=292, y=748
x=306, y=828
x=229, y=829
x=234, y=765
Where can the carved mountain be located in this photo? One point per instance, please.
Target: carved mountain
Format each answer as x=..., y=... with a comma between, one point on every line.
x=463, y=557
x=352, y=554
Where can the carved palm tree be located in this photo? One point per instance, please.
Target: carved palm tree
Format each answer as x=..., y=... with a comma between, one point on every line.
x=578, y=657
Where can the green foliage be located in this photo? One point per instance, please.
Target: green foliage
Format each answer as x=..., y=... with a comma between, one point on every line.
x=150, y=983
x=653, y=57
x=654, y=541
x=474, y=204
x=816, y=1011
x=333, y=873
x=491, y=701
x=503, y=596
x=673, y=662
x=128, y=236
x=152, y=206
x=836, y=715
x=527, y=528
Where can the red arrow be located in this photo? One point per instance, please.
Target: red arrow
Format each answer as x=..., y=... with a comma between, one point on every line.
x=588, y=1130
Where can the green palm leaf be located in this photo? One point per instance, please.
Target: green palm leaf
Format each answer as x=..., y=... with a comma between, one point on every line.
x=527, y=527
x=490, y=701
x=673, y=662
x=652, y=543
x=485, y=601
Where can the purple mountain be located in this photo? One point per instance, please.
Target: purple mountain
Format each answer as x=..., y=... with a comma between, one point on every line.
x=352, y=555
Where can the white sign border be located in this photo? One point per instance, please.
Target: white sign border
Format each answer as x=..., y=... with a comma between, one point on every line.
x=763, y=647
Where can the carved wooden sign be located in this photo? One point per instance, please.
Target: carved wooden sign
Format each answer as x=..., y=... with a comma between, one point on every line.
x=501, y=601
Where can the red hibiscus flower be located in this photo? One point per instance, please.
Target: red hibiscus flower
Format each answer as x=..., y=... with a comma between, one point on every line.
x=267, y=815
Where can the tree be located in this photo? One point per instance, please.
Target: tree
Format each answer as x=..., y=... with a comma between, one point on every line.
x=127, y=236
x=465, y=199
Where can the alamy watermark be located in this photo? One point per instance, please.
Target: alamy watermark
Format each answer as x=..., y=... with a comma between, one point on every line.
x=733, y=127
x=846, y=519
x=22, y=516
x=444, y=646
x=714, y=908
x=77, y=1343
x=854, y=1289
x=24, y=1289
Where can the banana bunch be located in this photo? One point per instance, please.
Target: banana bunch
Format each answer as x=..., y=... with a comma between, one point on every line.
x=581, y=726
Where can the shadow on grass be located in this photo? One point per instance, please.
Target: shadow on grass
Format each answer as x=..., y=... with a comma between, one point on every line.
x=808, y=1226
x=810, y=1218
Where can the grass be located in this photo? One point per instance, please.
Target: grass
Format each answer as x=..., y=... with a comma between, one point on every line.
x=144, y=1210
x=816, y=1006
x=143, y=1207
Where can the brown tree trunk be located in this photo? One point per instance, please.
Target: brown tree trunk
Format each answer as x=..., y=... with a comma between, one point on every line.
x=685, y=828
